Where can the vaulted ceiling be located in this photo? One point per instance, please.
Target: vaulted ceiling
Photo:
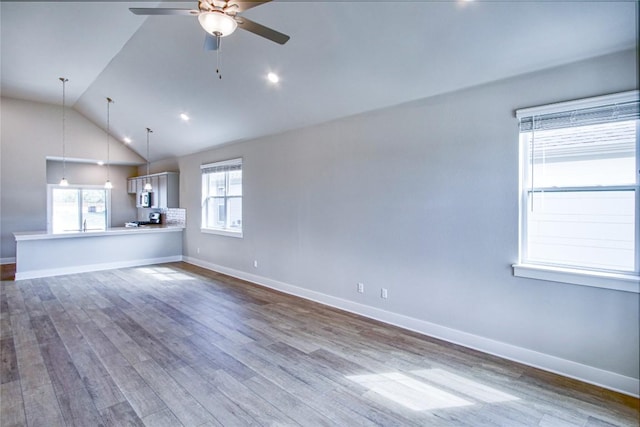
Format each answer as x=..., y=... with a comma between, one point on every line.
x=343, y=58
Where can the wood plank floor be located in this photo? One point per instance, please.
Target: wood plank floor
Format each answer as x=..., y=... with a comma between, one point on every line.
x=173, y=345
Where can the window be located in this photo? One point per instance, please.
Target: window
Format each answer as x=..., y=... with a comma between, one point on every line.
x=222, y=197
x=78, y=208
x=579, y=205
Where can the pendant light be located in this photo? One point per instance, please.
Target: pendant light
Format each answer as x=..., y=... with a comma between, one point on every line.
x=63, y=181
x=108, y=184
x=147, y=186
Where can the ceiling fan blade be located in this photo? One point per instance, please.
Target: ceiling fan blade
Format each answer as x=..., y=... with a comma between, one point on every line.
x=162, y=11
x=247, y=4
x=211, y=42
x=261, y=30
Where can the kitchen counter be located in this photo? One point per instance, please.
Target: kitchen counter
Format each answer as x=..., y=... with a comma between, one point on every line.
x=43, y=254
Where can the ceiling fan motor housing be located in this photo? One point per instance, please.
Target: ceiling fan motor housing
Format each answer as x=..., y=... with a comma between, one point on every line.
x=220, y=5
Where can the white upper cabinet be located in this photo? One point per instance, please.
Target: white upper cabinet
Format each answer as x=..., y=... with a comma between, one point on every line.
x=165, y=189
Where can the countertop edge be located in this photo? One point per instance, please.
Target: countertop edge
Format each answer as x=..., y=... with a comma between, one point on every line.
x=114, y=231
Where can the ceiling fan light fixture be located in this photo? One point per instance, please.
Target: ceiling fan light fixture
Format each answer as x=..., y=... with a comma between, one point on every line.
x=217, y=23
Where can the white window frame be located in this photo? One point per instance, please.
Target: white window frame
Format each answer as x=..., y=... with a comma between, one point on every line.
x=222, y=231
x=621, y=281
x=51, y=187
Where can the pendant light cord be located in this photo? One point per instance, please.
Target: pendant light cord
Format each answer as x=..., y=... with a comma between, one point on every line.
x=109, y=102
x=64, y=148
x=148, y=132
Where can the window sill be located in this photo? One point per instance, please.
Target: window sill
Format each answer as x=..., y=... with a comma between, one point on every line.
x=237, y=234
x=614, y=281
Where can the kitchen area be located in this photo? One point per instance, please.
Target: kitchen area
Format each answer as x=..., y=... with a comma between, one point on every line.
x=156, y=198
x=152, y=233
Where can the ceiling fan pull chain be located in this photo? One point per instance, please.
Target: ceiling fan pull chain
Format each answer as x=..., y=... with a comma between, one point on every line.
x=219, y=42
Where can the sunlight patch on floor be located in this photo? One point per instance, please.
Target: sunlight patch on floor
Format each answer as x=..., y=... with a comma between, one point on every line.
x=164, y=273
x=409, y=392
x=464, y=385
x=420, y=396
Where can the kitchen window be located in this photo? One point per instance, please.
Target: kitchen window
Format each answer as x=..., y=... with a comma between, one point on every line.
x=78, y=208
x=579, y=205
x=222, y=198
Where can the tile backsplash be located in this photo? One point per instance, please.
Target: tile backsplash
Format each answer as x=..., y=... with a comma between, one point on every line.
x=175, y=216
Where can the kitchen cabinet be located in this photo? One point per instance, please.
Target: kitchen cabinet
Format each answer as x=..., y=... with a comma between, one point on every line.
x=160, y=191
x=156, y=193
x=131, y=186
x=165, y=189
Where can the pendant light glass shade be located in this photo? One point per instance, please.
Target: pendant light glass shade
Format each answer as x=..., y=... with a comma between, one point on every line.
x=217, y=23
x=63, y=181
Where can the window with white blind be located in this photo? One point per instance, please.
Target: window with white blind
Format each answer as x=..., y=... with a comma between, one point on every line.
x=222, y=197
x=579, y=205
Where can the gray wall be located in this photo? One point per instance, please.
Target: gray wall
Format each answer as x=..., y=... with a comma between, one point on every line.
x=422, y=199
x=30, y=133
x=165, y=165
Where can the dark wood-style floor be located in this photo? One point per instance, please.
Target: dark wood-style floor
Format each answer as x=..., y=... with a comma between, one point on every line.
x=175, y=345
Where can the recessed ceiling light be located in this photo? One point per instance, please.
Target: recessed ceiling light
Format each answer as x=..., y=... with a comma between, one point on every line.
x=184, y=117
x=273, y=77
x=100, y=163
x=127, y=140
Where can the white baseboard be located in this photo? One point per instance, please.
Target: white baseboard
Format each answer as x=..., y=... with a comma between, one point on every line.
x=589, y=374
x=9, y=260
x=35, y=274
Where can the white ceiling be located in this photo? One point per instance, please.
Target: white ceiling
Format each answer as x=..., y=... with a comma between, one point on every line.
x=343, y=58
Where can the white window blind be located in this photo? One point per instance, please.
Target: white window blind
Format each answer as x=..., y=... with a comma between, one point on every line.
x=579, y=184
x=225, y=166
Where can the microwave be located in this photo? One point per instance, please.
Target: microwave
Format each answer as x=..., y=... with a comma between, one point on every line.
x=145, y=199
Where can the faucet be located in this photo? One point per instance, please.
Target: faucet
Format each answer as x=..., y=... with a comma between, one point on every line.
x=84, y=225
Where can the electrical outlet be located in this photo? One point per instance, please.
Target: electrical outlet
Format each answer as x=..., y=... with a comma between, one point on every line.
x=198, y=250
x=255, y=263
x=383, y=293
x=361, y=288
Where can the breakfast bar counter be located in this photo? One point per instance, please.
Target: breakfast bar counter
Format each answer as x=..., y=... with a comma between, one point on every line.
x=43, y=254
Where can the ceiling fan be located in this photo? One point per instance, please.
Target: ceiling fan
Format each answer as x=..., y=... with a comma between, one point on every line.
x=220, y=18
